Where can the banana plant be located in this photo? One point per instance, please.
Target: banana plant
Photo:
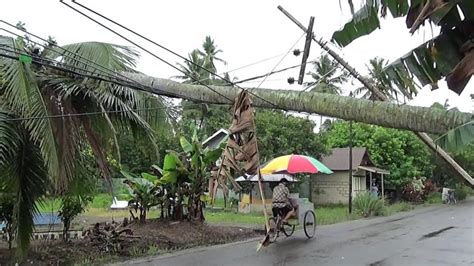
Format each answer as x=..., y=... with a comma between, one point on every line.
x=188, y=173
x=143, y=193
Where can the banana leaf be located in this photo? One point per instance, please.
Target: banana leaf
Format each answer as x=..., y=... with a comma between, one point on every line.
x=457, y=138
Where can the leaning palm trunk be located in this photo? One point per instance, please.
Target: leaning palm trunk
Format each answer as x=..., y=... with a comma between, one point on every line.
x=379, y=95
x=392, y=115
x=386, y=114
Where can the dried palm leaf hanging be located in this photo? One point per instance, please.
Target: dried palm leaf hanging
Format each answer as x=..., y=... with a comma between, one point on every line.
x=241, y=153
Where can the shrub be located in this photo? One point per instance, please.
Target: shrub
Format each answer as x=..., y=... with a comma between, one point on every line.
x=367, y=205
x=429, y=188
x=462, y=191
x=7, y=203
x=434, y=197
x=71, y=206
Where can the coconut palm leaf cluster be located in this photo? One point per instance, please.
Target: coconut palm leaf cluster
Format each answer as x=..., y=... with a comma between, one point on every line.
x=55, y=105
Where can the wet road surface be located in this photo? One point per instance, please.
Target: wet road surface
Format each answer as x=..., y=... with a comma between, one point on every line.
x=440, y=235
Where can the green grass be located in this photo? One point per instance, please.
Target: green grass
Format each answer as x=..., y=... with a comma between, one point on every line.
x=233, y=217
x=100, y=201
x=434, y=198
x=103, y=201
x=325, y=215
x=49, y=205
x=397, y=207
x=334, y=214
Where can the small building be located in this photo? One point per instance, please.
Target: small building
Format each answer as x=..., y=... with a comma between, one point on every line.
x=216, y=139
x=330, y=189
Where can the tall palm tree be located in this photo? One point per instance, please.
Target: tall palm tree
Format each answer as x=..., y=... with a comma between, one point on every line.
x=327, y=78
x=210, y=54
x=198, y=69
x=41, y=137
x=379, y=78
x=193, y=69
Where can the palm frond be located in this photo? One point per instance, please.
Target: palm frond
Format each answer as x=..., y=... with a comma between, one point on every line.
x=108, y=56
x=25, y=175
x=23, y=96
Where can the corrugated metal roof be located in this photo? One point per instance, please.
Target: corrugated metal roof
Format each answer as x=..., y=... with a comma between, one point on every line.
x=338, y=159
x=216, y=139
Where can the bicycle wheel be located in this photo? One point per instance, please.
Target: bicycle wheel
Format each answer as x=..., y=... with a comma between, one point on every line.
x=309, y=224
x=288, y=229
x=273, y=232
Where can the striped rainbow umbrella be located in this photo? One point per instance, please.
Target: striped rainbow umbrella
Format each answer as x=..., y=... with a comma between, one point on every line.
x=295, y=164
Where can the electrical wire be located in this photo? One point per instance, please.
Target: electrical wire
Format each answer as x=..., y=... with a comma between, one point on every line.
x=248, y=65
x=144, y=49
x=316, y=82
x=65, y=51
x=281, y=60
x=69, y=115
x=71, y=70
x=272, y=73
x=157, y=44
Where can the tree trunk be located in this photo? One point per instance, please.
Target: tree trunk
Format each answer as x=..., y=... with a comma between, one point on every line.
x=142, y=215
x=67, y=224
x=10, y=234
x=195, y=211
x=392, y=115
x=386, y=114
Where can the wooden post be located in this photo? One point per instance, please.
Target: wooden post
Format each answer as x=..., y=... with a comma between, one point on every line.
x=216, y=181
x=260, y=179
x=307, y=46
x=383, y=193
x=370, y=181
x=350, y=166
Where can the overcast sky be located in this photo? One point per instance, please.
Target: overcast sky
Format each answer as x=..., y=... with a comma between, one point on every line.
x=247, y=31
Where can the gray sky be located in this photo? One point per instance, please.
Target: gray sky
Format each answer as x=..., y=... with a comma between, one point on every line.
x=247, y=31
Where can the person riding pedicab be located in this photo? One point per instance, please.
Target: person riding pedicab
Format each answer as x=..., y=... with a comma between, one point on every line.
x=281, y=202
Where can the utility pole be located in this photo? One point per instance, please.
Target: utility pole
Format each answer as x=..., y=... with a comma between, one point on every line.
x=350, y=164
x=307, y=46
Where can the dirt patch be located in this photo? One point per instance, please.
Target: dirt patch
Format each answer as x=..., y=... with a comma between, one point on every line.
x=153, y=238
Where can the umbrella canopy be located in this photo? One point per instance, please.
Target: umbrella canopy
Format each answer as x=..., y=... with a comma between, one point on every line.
x=295, y=164
x=266, y=178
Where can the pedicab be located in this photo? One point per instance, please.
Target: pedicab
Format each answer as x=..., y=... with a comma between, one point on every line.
x=305, y=215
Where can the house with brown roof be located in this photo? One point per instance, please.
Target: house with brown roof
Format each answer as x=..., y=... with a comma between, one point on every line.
x=328, y=189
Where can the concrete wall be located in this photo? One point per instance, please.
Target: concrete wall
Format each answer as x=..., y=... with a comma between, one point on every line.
x=335, y=188
x=330, y=188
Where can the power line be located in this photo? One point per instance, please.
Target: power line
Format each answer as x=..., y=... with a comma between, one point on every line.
x=69, y=115
x=142, y=87
x=155, y=43
x=272, y=73
x=281, y=60
x=76, y=54
x=144, y=49
x=248, y=65
x=71, y=70
x=64, y=50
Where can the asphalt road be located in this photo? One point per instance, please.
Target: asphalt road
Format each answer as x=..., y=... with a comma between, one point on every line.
x=441, y=235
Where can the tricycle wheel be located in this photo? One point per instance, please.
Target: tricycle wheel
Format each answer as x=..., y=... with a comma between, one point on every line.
x=288, y=229
x=309, y=224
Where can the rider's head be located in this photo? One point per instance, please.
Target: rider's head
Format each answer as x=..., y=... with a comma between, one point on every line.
x=284, y=181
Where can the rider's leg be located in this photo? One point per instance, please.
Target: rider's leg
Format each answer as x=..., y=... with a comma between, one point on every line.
x=289, y=215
